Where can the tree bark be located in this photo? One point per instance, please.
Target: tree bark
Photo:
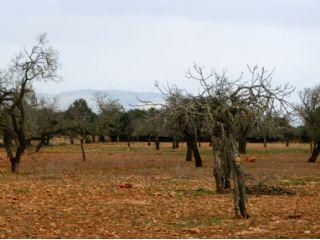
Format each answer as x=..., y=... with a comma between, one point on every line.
x=82, y=149
x=102, y=138
x=287, y=143
x=221, y=167
x=196, y=154
x=315, y=152
x=41, y=143
x=149, y=142
x=157, y=142
x=242, y=138
x=129, y=142
x=264, y=141
x=243, y=145
x=189, y=152
x=192, y=144
x=14, y=159
x=174, y=143
x=177, y=143
x=225, y=166
x=239, y=191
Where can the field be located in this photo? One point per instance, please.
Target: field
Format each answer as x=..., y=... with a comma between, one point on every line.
x=144, y=193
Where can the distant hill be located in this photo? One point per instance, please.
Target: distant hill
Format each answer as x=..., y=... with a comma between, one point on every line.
x=125, y=97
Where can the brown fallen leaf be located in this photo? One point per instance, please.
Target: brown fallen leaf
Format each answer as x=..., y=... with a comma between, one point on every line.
x=126, y=185
x=295, y=216
x=191, y=230
x=250, y=159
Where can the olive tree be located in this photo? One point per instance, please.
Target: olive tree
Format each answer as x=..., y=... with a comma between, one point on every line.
x=81, y=121
x=47, y=122
x=128, y=121
x=110, y=112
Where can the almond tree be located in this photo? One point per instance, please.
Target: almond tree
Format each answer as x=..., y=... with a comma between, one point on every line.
x=40, y=63
x=245, y=124
x=309, y=111
x=226, y=100
x=180, y=112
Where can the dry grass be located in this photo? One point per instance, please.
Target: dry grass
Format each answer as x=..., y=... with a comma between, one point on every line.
x=56, y=194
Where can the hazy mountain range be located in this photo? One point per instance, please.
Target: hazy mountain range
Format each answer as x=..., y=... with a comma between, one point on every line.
x=125, y=97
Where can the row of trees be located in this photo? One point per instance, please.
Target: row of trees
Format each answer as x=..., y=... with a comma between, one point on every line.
x=226, y=112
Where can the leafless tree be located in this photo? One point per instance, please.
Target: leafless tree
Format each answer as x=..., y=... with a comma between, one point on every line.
x=182, y=112
x=226, y=100
x=38, y=64
x=309, y=111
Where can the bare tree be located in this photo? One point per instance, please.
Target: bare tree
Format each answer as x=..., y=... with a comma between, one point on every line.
x=181, y=112
x=245, y=124
x=225, y=101
x=220, y=104
x=309, y=111
x=38, y=64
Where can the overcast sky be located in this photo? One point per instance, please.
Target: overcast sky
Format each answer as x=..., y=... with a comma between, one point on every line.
x=128, y=44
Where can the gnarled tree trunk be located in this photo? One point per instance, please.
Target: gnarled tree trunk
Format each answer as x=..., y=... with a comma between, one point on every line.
x=265, y=141
x=129, y=142
x=239, y=191
x=192, y=146
x=315, y=152
x=102, y=138
x=82, y=149
x=14, y=158
x=157, y=142
x=174, y=143
x=221, y=167
x=196, y=154
x=189, y=152
x=177, y=143
x=242, y=145
x=226, y=166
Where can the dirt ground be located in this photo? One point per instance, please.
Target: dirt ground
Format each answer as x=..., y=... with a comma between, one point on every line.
x=143, y=193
